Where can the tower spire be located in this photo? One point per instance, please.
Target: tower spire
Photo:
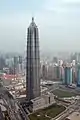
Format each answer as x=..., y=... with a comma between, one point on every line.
x=32, y=19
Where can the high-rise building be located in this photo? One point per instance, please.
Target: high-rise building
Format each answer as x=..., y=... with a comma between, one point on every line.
x=68, y=76
x=20, y=59
x=20, y=64
x=74, y=73
x=78, y=76
x=50, y=71
x=15, y=64
x=61, y=73
x=44, y=72
x=55, y=59
x=2, y=63
x=33, y=62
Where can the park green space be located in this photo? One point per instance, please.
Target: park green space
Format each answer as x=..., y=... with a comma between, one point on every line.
x=51, y=112
x=61, y=93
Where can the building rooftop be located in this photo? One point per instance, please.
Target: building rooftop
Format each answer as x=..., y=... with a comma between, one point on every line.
x=22, y=96
x=9, y=77
x=2, y=106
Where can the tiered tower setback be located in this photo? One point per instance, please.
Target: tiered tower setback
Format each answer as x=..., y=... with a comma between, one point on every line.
x=33, y=62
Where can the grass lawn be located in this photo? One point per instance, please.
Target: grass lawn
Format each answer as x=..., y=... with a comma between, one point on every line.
x=51, y=111
x=62, y=94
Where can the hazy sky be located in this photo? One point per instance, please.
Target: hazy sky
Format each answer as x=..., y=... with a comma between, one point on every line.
x=58, y=22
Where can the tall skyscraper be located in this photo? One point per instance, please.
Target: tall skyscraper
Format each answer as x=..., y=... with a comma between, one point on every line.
x=33, y=62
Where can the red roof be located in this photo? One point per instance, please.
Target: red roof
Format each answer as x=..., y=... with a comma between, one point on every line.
x=9, y=77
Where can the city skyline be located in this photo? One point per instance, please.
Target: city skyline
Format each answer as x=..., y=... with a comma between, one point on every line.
x=58, y=22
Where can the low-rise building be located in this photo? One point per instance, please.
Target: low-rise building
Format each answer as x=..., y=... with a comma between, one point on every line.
x=42, y=102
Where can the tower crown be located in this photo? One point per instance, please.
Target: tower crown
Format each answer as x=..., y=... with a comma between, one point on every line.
x=32, y=23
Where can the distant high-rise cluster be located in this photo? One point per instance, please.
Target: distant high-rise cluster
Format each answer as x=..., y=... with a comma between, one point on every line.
x=33, y=62
x=67, y=72
x=12, y=65
x=51, y=71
